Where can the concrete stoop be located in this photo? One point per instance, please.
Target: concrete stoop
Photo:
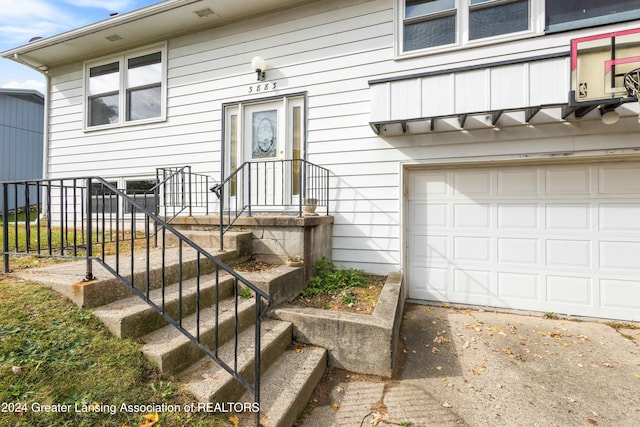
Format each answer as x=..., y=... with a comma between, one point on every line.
x=288, y=376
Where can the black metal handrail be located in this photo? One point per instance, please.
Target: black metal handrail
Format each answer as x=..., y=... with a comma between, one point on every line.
x=293, y=185
x=178, y=189
x=92, y=219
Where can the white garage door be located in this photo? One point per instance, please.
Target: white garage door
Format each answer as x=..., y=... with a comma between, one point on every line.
x=560, y=238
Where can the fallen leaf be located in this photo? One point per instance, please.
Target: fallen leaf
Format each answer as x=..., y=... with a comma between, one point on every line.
x=592, y=421
x=336, y=406
x=298, y=350
x=443, y=379
x=474, y=372
x=376, y=420
x=234, y=420
x=595, y=414
x=441, y=340
x=434, y=350
x=447, y=405
x=152, y=417
x=507, y=351
x=439, y=368
x=607, y=365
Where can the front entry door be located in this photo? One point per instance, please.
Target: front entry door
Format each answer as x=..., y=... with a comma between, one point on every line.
x=265, y=147
x=267, y=136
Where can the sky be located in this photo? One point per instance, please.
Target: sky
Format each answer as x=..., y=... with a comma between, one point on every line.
x=21, y=20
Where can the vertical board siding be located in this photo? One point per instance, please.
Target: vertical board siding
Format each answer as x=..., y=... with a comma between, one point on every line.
x=21, y=137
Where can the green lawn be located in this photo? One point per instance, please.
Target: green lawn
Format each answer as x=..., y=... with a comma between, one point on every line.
x=55, y=356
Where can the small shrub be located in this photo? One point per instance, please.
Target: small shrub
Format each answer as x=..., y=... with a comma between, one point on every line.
x=330, y=280
x=246, y=293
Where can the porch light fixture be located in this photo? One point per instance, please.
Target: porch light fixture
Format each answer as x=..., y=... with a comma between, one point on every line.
x=258, y=64
x=609, y=115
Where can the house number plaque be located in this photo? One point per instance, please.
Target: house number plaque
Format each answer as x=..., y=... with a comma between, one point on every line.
x=263, y=87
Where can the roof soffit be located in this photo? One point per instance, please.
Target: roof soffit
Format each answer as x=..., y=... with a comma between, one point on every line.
x=159, y=21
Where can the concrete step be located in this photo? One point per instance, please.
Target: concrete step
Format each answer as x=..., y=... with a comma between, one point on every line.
x=133, y=317
x=287, y=386
x=173, y=352
x=282, y=283
x=209, y=382
x=240, y=241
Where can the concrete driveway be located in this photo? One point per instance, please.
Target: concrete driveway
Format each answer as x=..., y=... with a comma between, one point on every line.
x=481, y=368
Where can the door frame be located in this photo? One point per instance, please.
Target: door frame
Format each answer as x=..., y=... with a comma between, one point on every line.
x=241, y=105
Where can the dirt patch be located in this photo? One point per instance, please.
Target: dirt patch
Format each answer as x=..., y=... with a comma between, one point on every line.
x=252, y=265
x=351, y=300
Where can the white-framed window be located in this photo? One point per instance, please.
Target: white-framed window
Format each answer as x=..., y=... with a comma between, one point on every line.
x=571, y=14
x=436, y=25
x=125, y=89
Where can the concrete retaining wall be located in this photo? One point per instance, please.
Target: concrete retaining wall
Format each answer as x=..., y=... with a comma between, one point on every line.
x=359, y=343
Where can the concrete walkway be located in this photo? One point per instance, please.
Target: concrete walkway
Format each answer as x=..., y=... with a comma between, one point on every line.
x=480, y=368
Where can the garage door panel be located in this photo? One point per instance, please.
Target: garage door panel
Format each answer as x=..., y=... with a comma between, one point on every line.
x=517, y=182
x=424, y=185
x=519, y=286
x=619, y=179
x=568, y=181
x=429, y=283
x=471, y=283
x=569, y=290
x=568, y=253
x=523, y=216
x=437, y=250
x=568, y=216
x=617, y=293
x=518, y=251
x=620, y=255
x=468, y=215
x=559, y=238
x=472, y=183
x=475, y=249
x=619, y=217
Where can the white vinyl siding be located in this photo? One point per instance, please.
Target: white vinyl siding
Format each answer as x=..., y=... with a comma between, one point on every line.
x=329, y=50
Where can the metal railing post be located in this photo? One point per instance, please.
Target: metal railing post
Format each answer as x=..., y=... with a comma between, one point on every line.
x=5, y=225
x=249, y=187
x=189, y=192
x=303, y=183
x=89, y=274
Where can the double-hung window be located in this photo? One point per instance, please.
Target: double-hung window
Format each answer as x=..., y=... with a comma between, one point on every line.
x=571, y=14
x=430, y=24
x=126, y=89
